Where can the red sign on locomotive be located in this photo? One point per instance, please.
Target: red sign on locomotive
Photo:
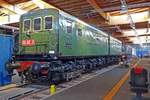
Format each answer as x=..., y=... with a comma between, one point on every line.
x=28, y=42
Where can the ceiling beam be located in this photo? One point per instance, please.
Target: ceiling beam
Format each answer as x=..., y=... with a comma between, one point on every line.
x=9, y=27
x=30, y=7
x=95, y=5
x=69, y=2
x=138, y=25
x=125, y=40
x=6, y=11
x=11, y=7
x=120, y=36
x=9, y=19
x=92, y=19
x=116, y=33
x=129, y=42
x=123, y=36
x=70, y=6
x=16, y=1
x=130, y=6
x=38, y=3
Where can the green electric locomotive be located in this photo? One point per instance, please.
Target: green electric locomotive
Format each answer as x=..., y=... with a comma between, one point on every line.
x=56, y=46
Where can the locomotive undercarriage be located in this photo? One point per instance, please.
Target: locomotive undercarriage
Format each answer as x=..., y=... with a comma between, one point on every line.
x=64, y=70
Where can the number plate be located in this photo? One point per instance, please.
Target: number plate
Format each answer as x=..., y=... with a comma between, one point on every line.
x=28, y=42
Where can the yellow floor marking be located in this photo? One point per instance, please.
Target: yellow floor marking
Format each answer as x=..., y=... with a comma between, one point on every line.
x=117, y=87
x=8, y=87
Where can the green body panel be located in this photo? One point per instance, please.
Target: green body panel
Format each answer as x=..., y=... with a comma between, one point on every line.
x=115, y=46
x=71, y=44
x=45, y=40
x=92, y=42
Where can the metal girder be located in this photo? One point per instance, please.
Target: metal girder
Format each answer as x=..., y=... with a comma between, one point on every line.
x=94, y=4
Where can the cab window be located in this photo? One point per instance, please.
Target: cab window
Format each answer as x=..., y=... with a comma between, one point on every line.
x=37, y=24
x=48, y=22
x=69, y=27
x=79, y=32
x=27, y=25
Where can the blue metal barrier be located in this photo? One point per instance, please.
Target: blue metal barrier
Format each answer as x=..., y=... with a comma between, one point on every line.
x=6, y=51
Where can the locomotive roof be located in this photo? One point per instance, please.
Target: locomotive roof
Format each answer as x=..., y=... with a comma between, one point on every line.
x=66, y=15
x=82, y=22
x=71, y=17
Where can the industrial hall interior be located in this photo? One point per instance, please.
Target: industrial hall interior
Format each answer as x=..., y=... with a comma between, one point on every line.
x=74, y=49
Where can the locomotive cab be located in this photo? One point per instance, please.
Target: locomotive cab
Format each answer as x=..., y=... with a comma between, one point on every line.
x=38, y=34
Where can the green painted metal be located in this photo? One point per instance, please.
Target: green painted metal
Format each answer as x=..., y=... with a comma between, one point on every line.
x=91, y=42
x=115, y=46
x=45, y=40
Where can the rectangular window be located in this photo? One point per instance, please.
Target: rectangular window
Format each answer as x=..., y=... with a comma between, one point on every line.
x=27, y=25
x=79, y=32
x=37, y=24
x=69, y=27
x=48, y=22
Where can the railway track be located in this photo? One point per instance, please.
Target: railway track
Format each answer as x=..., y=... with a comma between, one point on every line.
x=42, y=91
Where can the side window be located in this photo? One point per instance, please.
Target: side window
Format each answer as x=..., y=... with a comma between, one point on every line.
x=37, y=24
x=69, y=27
x=79, y=32
x=48, y=22
x=26, y=25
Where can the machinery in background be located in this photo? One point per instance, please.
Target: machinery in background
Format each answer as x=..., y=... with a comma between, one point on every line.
x=126, y=56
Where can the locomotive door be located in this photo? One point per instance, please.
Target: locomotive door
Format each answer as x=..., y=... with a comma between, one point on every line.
x=69, y=31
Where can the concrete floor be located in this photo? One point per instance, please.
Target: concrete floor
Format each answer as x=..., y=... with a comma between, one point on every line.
x=97, y=87
x=93, y=89
x=125, y=93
